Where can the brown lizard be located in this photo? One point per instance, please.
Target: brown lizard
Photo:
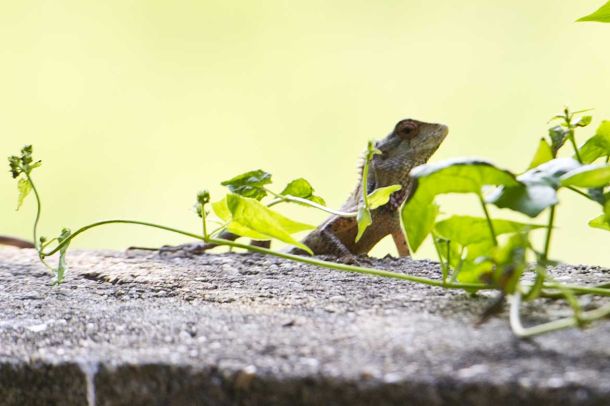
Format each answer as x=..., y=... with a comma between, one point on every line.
x=411, y=143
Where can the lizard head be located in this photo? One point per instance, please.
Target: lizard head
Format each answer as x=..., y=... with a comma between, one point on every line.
x=410, y=144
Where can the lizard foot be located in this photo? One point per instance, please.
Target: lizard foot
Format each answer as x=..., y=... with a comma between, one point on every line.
x=362, y=260
x=184, y=250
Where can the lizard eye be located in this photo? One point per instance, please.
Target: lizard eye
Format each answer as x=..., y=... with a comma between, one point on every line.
x=406, y=129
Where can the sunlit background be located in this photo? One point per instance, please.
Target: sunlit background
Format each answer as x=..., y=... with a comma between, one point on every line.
x=134, y=106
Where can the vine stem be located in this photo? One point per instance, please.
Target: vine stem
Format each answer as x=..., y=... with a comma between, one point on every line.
x=549, y=231
x=573, y=141
x=351, y=268
x=443, y=265
x=600, y=291
x=294, y=199
x=520, y=331
x=583, y=194
x=101, y=223
x=489, y=223
x=315, y=261
x=38, y=211
x=308, y=260
x=577, y=289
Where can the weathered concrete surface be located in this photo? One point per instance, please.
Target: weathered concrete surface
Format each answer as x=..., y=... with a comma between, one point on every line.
x=247, y=329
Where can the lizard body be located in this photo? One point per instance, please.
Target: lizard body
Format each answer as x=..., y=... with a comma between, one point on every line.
x=411, y=143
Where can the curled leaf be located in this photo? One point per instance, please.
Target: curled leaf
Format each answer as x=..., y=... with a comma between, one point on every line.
x=558, y=135
x=61, y=265
x=302, y=188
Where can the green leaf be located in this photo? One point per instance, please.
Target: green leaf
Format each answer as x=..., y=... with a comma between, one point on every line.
x=530, y=200
x=23, y=163
x=543, y=154
x=588, y=176
x=476, y=272
x=559, y=135
x=449, y=251
x=61, y=265
x=537, y=189
x=602, y=15
x=364, y=220
x=221, y=210
x=250, y=218
x=510, y=260
x=480, y=249
x=418, y=220
x=467, y=230
x=24, y=187
x=598, y=145
x=462, y=175
x=299, y=188
x=381, y=196
x=249, y=184
x=244, y=231
x=302, y=188
x=363, y=216
x=600, y=222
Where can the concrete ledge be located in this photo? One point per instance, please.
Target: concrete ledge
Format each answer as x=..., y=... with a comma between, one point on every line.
x=39, y=383
x=254, y=330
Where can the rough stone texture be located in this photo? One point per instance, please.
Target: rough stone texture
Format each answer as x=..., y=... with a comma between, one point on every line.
x=247, y=329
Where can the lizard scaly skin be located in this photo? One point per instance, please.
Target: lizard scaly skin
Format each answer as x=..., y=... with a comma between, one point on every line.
x=411, y=143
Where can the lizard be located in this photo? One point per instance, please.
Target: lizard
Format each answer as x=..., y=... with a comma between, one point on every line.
x=409, y=144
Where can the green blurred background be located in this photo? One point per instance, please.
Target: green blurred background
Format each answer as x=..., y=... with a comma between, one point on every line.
x=134, y=106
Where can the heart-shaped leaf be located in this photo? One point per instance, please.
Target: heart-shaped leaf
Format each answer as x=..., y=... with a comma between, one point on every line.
x=463, y=175
x=302, y=188
x=467, y=230
x=537, y=189
x=249, y=184
x=251, y=218
x=588, y=176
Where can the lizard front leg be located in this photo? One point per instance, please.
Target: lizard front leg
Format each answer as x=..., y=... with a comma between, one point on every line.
x=401, y=243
